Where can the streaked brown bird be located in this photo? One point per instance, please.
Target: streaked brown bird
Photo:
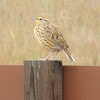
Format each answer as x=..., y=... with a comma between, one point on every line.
x=50, y=37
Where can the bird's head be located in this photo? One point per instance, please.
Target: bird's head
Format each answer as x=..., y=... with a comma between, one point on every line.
x=40, y=20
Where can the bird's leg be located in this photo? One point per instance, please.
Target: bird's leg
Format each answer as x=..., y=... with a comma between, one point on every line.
x=47, y=57
x=54, y=55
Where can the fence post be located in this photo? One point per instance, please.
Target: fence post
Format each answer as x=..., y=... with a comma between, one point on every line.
x=42, y=80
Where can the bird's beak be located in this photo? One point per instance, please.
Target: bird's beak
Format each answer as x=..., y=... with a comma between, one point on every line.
x=33, y=18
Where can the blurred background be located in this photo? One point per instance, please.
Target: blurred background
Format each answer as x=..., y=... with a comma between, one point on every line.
x=78, y=20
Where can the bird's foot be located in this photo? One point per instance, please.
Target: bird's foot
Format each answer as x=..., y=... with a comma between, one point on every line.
x=43, y=59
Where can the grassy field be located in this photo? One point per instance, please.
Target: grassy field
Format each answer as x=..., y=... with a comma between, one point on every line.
x=78, y=20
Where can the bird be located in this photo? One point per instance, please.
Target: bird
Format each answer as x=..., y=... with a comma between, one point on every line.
x=51, y=38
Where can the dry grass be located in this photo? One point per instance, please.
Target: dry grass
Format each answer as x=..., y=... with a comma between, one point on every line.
x=78, y=20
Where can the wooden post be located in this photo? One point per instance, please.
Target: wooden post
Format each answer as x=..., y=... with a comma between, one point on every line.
x=42, y=80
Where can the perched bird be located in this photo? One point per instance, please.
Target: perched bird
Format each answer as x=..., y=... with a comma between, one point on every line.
x=50, y=37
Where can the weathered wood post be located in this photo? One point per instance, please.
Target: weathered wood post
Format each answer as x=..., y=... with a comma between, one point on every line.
x=42, y=80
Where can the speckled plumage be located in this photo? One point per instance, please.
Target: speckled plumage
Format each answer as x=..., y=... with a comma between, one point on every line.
x=50, y=37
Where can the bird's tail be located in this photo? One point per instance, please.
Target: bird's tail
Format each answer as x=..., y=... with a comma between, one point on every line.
x=67, y=53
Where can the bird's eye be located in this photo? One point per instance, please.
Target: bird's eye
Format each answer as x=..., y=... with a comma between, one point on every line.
x=40, y=19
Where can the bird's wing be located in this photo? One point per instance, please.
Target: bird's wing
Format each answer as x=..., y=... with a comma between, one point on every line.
x=57, y=36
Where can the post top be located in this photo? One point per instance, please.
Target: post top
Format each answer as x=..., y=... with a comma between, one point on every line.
x=43, y=61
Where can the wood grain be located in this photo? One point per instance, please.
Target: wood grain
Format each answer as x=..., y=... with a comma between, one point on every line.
x=42, y=80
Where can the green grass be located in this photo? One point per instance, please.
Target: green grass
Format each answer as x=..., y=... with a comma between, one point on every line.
x=78, y=20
